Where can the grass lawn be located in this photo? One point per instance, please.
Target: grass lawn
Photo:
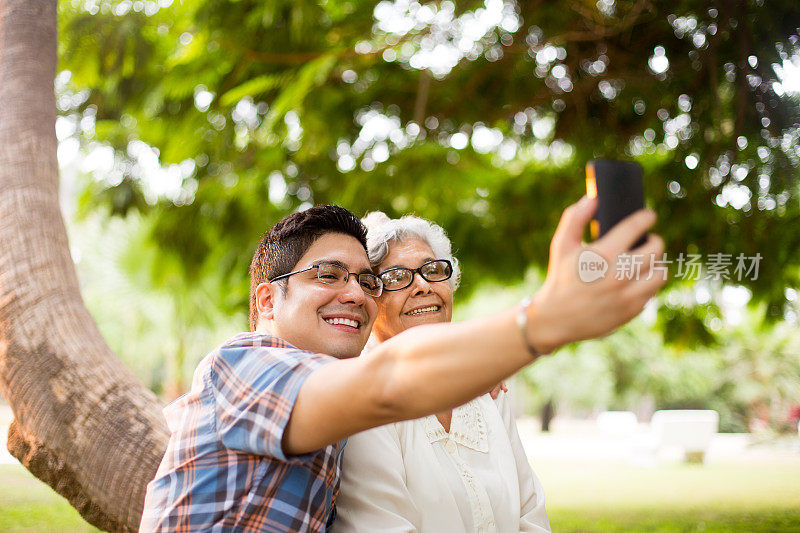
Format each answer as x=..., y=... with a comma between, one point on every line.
x=27, y=504
x=714, y=497
x=602, y=497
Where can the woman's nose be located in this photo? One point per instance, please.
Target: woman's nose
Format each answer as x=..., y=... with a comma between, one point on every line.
x=420, y=285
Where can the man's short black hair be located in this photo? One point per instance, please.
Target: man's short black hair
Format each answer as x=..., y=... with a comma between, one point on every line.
x=284, y=244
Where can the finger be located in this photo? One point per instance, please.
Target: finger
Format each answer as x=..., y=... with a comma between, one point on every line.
x=622, y=236
x=653, y=245
x=635, y=297
x=644, y=289
x=573, y=222
x=650, y=252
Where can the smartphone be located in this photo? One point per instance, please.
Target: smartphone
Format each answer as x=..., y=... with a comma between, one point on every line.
x=619, y=189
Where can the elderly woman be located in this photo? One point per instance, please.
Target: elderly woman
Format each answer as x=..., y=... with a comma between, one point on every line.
x=459, y=470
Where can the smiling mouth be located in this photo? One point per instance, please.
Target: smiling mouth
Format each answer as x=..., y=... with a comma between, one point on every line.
x=339, y=321
x=424, y=310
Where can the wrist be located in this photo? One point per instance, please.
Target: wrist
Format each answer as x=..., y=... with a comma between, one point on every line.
x=543, y=329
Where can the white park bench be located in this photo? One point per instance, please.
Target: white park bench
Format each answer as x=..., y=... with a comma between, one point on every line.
x=617, y=423
x=689, y=431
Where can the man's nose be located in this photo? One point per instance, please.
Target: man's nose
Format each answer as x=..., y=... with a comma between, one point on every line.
x=352, y=291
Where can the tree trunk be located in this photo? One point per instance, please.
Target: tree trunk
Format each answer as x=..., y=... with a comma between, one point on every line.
x=83, y=423
x=548, y=412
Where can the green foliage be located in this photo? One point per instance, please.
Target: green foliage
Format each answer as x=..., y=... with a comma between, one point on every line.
x=258, y=95
x=748, y=374
x=157, y=321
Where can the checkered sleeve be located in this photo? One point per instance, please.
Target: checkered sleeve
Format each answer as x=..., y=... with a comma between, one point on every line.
x=254, y=393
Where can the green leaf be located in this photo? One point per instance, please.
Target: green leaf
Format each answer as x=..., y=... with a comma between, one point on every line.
x=254, y=87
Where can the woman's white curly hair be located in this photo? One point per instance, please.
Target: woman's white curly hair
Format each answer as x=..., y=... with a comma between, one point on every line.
x=382, y=231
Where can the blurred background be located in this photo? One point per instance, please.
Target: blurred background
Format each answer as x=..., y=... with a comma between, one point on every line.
x=186, y=129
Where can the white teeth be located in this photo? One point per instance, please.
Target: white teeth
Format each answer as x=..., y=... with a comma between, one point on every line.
x=345, y=321
x=424, y=310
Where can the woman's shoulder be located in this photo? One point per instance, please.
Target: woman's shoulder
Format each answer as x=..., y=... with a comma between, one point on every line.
x=482, y=408
x=502, y=403
x=497, y=411
x=492, y=406
x=395, y=430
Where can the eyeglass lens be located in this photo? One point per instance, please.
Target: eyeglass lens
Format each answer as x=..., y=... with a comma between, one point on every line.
x=400, y=278
x=337, y=275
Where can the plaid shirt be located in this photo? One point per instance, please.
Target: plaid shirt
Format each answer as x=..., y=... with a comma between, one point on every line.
x=224, y=468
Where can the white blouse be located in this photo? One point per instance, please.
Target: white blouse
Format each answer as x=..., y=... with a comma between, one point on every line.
x=414, y=476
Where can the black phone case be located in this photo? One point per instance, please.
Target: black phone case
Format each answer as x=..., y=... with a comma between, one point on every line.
x=620, y=191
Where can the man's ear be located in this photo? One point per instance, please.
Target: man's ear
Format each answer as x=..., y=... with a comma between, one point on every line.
x=265, y=300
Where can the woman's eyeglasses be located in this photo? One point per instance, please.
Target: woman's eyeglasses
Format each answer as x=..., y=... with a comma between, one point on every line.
x=398, y=278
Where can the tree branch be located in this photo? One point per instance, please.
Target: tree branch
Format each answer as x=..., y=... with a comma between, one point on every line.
x=422, y=96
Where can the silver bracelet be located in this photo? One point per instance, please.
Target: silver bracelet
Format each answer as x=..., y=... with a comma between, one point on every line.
x=522, y=324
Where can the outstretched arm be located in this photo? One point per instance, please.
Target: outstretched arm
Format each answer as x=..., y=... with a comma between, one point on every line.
x=431, y=368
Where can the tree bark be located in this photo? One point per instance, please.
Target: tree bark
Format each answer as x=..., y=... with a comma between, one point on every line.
x=83, y=423
x=548, y=413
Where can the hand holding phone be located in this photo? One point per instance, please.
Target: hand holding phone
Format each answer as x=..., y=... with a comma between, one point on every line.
x=619, y=189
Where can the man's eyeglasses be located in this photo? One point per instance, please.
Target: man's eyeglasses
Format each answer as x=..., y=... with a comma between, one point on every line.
x=398, y=278
x=338, y=276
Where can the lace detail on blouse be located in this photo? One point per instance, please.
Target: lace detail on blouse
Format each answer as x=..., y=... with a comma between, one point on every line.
x=467, y=428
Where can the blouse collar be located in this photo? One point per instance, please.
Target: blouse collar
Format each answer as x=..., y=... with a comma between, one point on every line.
x=467, y=427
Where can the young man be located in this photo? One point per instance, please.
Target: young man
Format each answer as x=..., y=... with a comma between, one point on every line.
x=256, y=443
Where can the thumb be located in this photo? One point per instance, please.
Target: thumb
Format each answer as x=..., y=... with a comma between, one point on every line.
x=573, y=223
